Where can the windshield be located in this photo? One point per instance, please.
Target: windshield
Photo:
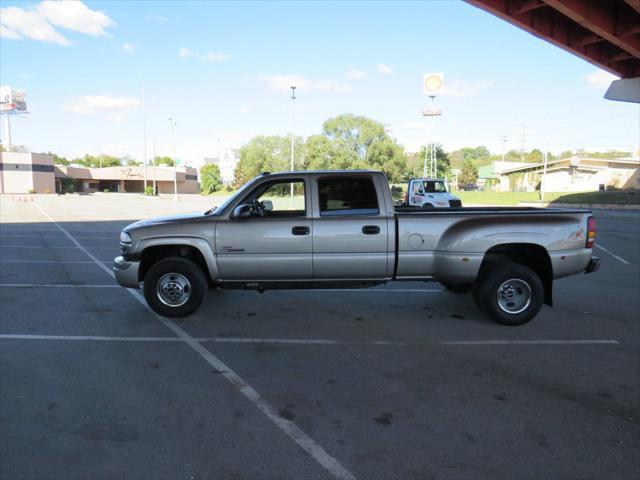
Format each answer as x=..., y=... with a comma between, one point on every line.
x=434, y=186
x=222, y=207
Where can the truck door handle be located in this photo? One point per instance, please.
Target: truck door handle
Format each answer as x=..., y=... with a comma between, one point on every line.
x=371, y=229
x=300, y=230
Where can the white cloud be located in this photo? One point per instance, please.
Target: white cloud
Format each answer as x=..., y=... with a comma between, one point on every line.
x=75, y=16
x=282, y=83
x=459, y=89
x=128, y=48
x=244, y=109
x=384, y=69
x=184, y=52
x=354, y=74
x=39, y=23
x=599, y=79
x=6, y=32
x=30, y=24
x=115, y=119
x=98, y=103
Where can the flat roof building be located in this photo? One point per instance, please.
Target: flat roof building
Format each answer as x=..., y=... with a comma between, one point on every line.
x=36, y=173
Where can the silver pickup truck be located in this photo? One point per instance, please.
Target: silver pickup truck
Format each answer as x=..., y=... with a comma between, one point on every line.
x=340, y=229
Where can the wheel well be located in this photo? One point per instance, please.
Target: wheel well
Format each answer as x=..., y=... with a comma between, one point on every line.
x=151, y=255
x=530, y=255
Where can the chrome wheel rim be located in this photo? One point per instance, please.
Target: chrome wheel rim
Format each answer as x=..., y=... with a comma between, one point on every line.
x=173, y=289
x=514, y=296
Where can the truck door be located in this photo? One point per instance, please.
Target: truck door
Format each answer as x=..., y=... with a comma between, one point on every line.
x=276, y=246
x=350, y=231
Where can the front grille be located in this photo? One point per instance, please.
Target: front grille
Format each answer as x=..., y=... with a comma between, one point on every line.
x=455, y=203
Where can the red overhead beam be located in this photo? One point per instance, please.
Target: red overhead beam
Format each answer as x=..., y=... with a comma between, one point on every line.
x=603, y=32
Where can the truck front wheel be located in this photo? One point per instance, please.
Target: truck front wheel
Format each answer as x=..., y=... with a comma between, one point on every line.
x=511, y=294
x=174, y=287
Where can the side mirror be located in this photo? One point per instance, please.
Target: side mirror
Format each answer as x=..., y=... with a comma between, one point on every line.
x=267, y=205
x=242, y=211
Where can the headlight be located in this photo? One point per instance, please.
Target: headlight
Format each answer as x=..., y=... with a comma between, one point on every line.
x=125, y=237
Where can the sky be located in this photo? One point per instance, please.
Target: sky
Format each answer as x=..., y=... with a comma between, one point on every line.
x=96, y=72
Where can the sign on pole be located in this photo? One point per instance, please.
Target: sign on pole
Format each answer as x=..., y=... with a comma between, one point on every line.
x=432, y=83
x=12, y=101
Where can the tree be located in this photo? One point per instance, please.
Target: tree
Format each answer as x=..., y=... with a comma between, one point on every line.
x=479, y=155
x=58, y=160
x=130, y=161
x=267, y=154
x=98, y=161
x=163, y=161
x=534, y=156
x=469, y=173
x=210, y=178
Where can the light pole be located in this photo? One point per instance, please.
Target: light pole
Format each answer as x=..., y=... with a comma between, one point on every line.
x=293, y=126
x=173, y=124
x=504, y=139
x=432, y=86
x=144, y=131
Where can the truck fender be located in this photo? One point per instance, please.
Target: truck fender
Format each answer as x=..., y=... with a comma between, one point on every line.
x=198, y=243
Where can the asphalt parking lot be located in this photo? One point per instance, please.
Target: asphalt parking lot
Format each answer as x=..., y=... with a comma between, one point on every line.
x=401, y=381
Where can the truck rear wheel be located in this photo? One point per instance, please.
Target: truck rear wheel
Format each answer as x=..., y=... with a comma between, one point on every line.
x=174, y=287
x=511, y=294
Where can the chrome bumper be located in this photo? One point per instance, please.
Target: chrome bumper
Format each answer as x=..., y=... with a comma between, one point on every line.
x=126, y=272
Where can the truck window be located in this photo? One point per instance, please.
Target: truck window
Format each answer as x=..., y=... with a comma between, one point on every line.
x=347, y=196
x=434, y=187
x=278, y=195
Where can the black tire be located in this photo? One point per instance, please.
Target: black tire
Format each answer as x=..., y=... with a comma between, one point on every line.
x=522, y=293
x=172, y=272
x=457, y=287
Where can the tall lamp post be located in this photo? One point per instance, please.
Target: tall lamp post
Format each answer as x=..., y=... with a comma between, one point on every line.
x=293, y=126
x=173, y=125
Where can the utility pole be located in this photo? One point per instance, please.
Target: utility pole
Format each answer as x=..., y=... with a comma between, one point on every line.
x=173, y=124
x=154, y=160
x=293, y=127
x=523, y=136
x=504, y=139
x=144, y=131
x=544, y=175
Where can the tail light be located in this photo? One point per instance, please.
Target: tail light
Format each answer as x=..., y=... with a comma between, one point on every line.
x=406, y=197
x=591, y=232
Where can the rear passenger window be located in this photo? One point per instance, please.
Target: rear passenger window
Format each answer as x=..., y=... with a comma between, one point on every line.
x=347, y=196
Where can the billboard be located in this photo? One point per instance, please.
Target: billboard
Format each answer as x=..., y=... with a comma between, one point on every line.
x=12, y=101
x=432, y=83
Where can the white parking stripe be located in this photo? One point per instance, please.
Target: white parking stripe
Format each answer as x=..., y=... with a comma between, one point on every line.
x=301, y=341
x=531, y=342
x=112, y=237
x=612, y=254
x=303, y=440
x=54, y=285
x=48, y=261
x=49, y=248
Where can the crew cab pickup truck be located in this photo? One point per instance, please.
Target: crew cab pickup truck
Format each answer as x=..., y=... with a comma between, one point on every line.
x=340, y=229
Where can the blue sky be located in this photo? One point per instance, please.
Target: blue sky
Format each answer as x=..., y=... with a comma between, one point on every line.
x=222, y=71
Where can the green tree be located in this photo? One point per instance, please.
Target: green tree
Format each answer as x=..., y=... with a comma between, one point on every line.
x=468, y=174
x=163, y=161
x=98, y=161
x=210, y=178
x=58, y=160
x=267, y=154
x=130, y=161
x=534, y=156
x=478, y=155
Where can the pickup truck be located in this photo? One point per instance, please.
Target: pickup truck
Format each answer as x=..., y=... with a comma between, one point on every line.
x=340, y=229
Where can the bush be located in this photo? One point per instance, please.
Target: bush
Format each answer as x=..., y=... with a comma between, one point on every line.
x=32, y=190
x=106, y=190
x=210, y=178
x=149, y=191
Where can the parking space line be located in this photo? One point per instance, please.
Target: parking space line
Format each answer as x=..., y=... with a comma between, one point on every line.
x=531, y=342
x=112, y=237
x=612, y=254
x=48, y=261
x=56, y=247
x=304, y=441
x=55, y=285
x=304, y=341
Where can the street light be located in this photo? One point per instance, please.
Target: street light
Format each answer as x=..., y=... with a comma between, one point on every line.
x=293, y=126
x=173, y=124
